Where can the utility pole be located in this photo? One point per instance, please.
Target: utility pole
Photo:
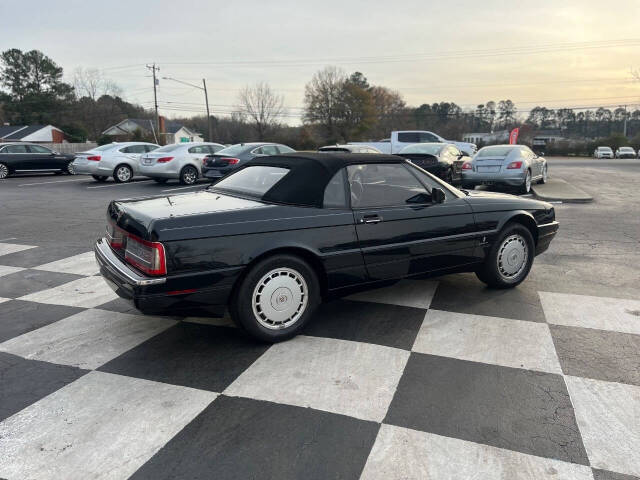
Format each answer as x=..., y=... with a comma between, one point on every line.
x=206, y=100
x=154, y=69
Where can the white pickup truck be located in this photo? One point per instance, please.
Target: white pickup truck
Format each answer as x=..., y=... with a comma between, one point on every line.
x=401, y=139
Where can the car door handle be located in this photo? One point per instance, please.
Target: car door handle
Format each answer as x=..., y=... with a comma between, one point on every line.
x=371, y=219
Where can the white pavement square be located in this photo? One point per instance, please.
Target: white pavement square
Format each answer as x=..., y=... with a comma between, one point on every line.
x=85, y=292
x=100, y=426
x=7, y=248
x=608, y=416
x=82, y=264
x=5, y=270
x=339, y=376
x=498, y=341
x=87, y=339
x=4, y=299
x=407, y=293
x=586, y=311
x=401, y=454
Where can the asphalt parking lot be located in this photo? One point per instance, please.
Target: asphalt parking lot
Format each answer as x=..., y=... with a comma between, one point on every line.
x=439, y=378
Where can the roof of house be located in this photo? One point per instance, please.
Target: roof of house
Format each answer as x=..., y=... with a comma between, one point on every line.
x=17, y=132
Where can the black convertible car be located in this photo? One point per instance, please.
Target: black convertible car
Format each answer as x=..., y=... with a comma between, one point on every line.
x=275, y=237
x=31, y=157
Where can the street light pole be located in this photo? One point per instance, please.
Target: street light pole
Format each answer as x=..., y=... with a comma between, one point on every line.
x=206, y=99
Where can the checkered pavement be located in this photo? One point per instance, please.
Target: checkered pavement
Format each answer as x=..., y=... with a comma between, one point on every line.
x=424, y=379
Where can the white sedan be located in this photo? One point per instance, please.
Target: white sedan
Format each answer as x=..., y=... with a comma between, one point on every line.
x=118, y=160
x=182, y=161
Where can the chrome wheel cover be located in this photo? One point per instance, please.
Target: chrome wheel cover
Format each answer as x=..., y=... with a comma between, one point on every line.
x=512, y=257
x=4, y=171
x=70, y=169
x=280, y=298
x=544, y=174
x=527, y=182
x=123, y=173
x=190, y=176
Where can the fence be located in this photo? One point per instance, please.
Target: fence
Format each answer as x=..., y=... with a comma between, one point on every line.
x=70, y=147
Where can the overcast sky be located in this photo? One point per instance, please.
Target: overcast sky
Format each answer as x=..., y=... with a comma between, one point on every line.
x=570, y=53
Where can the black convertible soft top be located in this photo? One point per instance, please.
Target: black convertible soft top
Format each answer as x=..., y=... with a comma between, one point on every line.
x=310, y=173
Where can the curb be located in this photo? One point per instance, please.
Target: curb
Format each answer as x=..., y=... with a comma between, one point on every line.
x=559, y=190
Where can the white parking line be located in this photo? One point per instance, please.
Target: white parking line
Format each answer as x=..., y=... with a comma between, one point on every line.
x=121, y=184
x=7, y=239
x=183, y=188
x=57, y=181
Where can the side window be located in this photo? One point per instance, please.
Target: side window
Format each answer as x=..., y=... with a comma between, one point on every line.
x=428, y=137
x=134, y=149
x=431, y=183
x=334, y=194
x=409, y=137
x=16, y=149
x=199, y=149
x=257, y=151
x=214, y=148
x=379, y=185
x=39, y=149
x=285, y=149
x=270, y=150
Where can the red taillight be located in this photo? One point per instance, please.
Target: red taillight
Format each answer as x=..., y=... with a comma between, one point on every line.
x=146, y=256
x=514, y=165
x=230, y=161
x=466, y=166
x=94, y=158
x=115, y=236
x=164, y=159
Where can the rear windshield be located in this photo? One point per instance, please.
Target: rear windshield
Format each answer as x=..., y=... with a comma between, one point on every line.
x=496, y=151
x=606, y=149
x=427, y=148
x=253, y=181
x=333, y=149
x=169, y=148
x=233, y=149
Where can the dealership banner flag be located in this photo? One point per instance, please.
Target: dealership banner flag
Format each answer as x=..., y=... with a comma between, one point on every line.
x=513, y=136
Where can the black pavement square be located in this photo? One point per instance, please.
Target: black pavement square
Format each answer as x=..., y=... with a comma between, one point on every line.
x=18, y=317
x=464, y=293
x=23, y=382
x=192, y=355
x=120, y=305
x=607, y=475
x=240, y=438
x=35, y=257
x=520, y=410
x=27, y=281
x=382, y=324
x=598, y=354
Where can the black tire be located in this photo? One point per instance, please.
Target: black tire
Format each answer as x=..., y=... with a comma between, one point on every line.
x=119, y=175
x=5, y=171
x=543, y=180
x=490, y=271
x=526, y=186
x=449, y=176
x=160, y=180
x=59, y=172
x=241, y=306
x=100, y=178
x=189, y=175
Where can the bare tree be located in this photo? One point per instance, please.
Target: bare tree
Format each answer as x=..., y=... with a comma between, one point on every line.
x=92, y=84
x=322, y=99
x=262, y=106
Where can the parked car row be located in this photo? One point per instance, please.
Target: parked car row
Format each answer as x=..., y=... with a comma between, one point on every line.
x=622, y=152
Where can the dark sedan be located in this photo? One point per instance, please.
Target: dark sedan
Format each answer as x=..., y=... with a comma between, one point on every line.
x=444, y=160
x=283, y=232
x=217, y=165
x=31, y=157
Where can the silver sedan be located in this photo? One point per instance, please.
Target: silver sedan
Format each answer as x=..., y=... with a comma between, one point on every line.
x=508, y=165
x=181, y=161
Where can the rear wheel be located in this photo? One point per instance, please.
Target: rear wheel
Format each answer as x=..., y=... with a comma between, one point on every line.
x=510, y=258
x=160, y=180
x=4, y=170
x=188, y=175
x=276, y=298
x=122, y=173
x=99, y=178
x=526, y=185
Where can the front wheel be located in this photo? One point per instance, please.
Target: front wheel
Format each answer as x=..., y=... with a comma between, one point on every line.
x=123, y=174
x=510, y=258
x=188, y=175
x=545, y=175
x=276, y=298
x=69, y=170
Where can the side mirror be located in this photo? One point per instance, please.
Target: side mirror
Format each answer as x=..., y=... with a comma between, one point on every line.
x=437, y=195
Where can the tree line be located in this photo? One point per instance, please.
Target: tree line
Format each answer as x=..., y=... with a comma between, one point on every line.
x=338, y=107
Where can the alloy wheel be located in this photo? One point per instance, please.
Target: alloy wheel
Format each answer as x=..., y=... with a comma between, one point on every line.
x=527, y=182
x=189, y=176
x=4, y=171
x=544, y=174
x=512, y=257
x=70, y=169
x=280, y=298
x=123, y=173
